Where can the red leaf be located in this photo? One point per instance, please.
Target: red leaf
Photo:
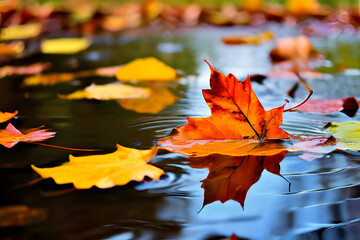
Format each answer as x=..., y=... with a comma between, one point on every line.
x=11, y=136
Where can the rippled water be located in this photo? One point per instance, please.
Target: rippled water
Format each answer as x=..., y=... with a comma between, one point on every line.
x=323, y=202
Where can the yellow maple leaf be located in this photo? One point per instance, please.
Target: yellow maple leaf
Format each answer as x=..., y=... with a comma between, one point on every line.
x=64, y=45
x=24, y=31
x=105, y=171
x=146, y=69
x=109, y=92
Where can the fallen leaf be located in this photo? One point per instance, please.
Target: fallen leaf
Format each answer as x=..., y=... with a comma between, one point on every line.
x=231, y=177
x=253, y=5
x=349, y=106
x=299, y=50
x=64, y=45
x=24, y=31
x=302, y=7
x=248, y=39
x=23, y=70
x=146, y=69
x=347, y=135
x=159, y=98
x=12, y=48
x=21, y=215
x=314, y=147
x=105, y=171
x=54, y=78
x=236, y=113
x=4, y=116
x=10, y=136
x=200, y=148
x=109, y=92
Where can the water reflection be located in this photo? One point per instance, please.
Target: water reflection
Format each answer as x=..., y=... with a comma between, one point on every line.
x=231, y=177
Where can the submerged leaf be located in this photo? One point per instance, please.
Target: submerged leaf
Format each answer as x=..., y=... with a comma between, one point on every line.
x=109, y=92
x=64, y=45
x=231, y=177
x=146, y=69
x=24, y=31
x=105, y=171
x=4, y=116
x=10, y=136
x=236, y=113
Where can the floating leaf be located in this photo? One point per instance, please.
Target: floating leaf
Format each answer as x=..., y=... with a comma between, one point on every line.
x=10, y=136
x=20, y=215
x=146, y=69
x=23, y=70
x=105, y=171
x=248, y=39
x=253, y=5
x=349, y=106
x=54, y=78
x=4, y=116
x=12, y=48
x=109, y=92
x=302, y=7
x=236, y=113
x=200, y=148
x=160, y=98
x=297, y=49
x=24, y=31
x=347, y=135
x=64, y=45
x=231, y=177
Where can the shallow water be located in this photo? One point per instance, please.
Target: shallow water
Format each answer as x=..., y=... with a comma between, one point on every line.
x=323, y=202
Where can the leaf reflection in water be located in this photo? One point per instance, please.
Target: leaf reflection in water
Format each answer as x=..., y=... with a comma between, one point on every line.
x=231, y=177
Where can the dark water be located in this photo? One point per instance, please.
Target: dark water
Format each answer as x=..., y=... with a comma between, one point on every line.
x=324, y=200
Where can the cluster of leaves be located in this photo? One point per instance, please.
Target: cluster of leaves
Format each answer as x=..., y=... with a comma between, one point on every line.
x=236, y=143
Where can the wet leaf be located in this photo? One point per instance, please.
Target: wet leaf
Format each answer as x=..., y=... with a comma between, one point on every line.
x=314, y=147
x=10, y=136
x=248, y=39
x=253, y=5
x=302, y=7
x=236, y=113
x=109, y=92
x=24, y=31
x=54, y=78
x=21, y=215
x=146, y=69
x=347, y=135
x=12, y=48
x=231, y=177
x=64, y=45
x=349, y=106
x=105, y=171
x=159, y=99
x=299, y=50
x=4, y=116
x=200, y=148
x=23, y=70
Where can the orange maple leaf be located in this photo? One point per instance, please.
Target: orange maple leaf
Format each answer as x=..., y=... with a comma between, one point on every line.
x=4, y=116
x=236, y=113
x=10, y=136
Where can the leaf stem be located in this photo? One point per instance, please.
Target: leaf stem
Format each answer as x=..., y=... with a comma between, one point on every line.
x=306, y=85
x=73, y=149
